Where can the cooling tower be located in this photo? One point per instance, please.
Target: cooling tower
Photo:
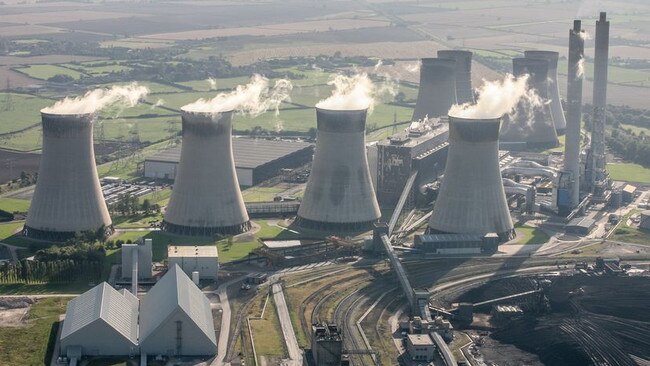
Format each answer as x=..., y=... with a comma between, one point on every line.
x=574, y=110
x=553, y=88
x=471, y=199
x=437, y=92
x=597, y=172
x=206, y=199
x=464, y=92
x=339, y=195
x=68, y=197
x=531, y=124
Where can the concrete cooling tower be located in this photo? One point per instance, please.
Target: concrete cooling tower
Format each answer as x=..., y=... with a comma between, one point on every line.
x=206, y=199
x=472, y=199
x=437, y=92
x=464, y=92
x=553, y=88
x=68, y=197
x=531, y=125
x=339, y=195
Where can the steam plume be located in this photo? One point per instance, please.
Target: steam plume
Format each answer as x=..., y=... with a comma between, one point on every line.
x=581, y=67
x=253, y=98
x=98, y=99
x=497, y=98
x=355, y=92
x=213, y=83
x=412, y=68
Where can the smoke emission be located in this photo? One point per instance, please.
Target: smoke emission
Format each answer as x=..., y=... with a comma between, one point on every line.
x=252, y=99
x=94, y=101
x=159, y=103
x=213, y=83
x=497, y=98
x=581, y=67
x=355, y=92
x=412, y=68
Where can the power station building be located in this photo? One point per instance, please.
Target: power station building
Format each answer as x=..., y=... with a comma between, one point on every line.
x=421, y=149
x=68, y=197
x=472, y=199
x=256, y=160
x=144, y=258
x=437, y=91
x=339, y=194
x=203, y=259
x=206, y=199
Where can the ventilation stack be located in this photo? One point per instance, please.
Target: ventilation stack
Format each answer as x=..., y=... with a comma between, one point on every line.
x=339, y=195
x=464, y=92
x=68, y=197
x=472, y=199
x=206, y=199
x=574, y=111
x=553, y=88
x=597, y=173
x=531, y=125
x=437, y=92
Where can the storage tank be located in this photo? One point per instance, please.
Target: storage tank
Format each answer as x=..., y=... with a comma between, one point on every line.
x=532, y=125
x=464, y=92
x=68, y=198
x=206, y=199
x=437, y=91
x=553, y=88
x=339, y=195
x=471, y=199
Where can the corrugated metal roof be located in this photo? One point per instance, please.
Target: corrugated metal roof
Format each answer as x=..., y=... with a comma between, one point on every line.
x=450, y=237
x=248, y=153
x=174, y=292
x=105, y=303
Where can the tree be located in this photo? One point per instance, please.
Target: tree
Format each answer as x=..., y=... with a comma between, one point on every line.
x=146, y=206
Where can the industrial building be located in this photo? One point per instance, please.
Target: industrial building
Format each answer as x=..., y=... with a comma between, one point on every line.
x=471, y=199
x=256, y=160
x=420, y=347
x=68, y=197
x=553, y=88
x=644, y=220
x=437, y=91
x=100, y=322
x=574, y=117
x=421, y=149
x=203, y=259
x=206, y=199
x=141, y=253
x=580, y=226
x=176, y=318
x=339, y=195
x=464, y=91
x=530, y=126
x=326, y=344
x=451, y=244
x=596, y=173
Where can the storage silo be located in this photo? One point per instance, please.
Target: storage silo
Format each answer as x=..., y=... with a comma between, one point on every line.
x=531, y=124
x=206, y=199
x=553, y=88
x=437, y=91
x=471, y=199
x=464, y=92
x=68, y=198
x=339, y=195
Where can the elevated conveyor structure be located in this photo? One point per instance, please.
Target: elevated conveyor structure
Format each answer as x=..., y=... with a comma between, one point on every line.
x=402, y=200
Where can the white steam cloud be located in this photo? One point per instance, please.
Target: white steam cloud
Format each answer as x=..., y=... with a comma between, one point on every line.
x=584, y=35
x=581, y=67
x=412, y=68
x=213, y=83
x=498, y=98
x=252, y=99
x=159, y=103
x=98, y=99
x=356, y=92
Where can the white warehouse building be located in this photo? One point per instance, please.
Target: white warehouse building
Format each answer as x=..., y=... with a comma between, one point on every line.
x=203, y=259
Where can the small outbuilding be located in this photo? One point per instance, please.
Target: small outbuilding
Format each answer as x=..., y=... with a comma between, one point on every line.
x=200, y=258
x=101, y=322
x=420, y=347
x=176, y=318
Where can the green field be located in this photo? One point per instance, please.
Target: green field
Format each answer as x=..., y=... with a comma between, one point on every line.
x=147, y=129
x=629, y=172
x=18, y=111
x=261, y=194
x=629, y=234
x=28, y=345
x=636, y=129
x=28, y=140
x=528, y=235
x=14, y=205
x=45, y=72
x=154, y=88
x=616, y=74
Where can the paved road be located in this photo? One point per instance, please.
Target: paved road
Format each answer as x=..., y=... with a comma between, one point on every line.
x=295, y=354
x=224, y=332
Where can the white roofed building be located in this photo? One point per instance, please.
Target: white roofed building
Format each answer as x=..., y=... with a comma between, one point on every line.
x=176, y=318
x=101, y=322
